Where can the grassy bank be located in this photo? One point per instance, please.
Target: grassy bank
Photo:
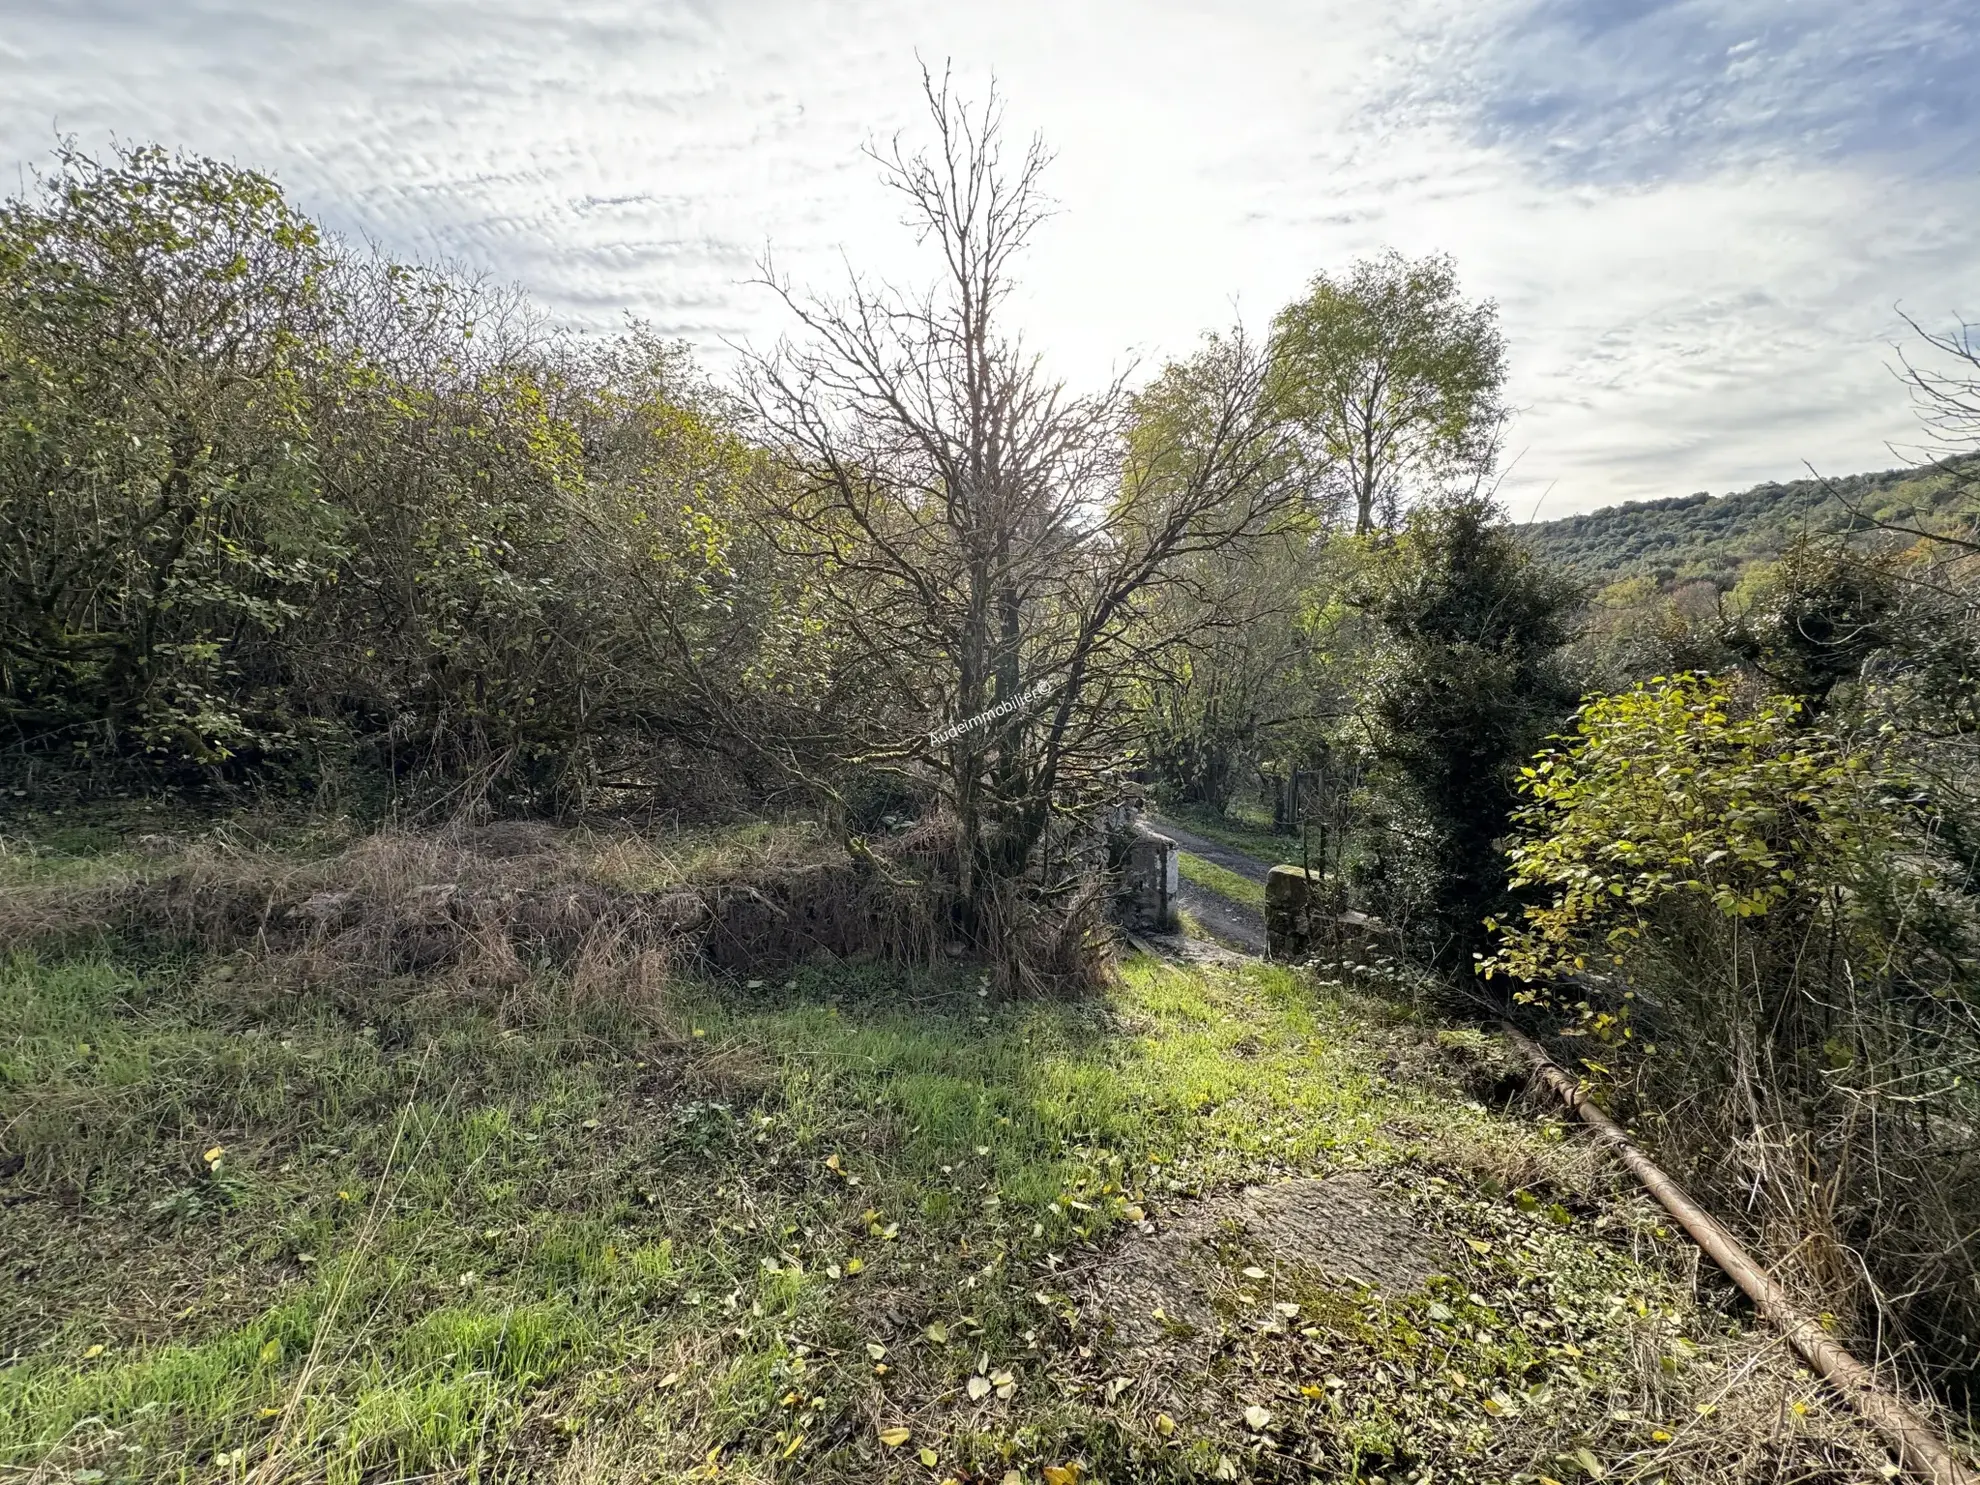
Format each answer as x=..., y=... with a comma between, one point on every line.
x=848, y=1224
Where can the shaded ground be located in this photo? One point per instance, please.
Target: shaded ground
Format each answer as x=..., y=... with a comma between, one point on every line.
x=1228, y=922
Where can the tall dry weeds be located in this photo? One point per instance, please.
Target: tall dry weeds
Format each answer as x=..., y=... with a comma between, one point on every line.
x=480, y=913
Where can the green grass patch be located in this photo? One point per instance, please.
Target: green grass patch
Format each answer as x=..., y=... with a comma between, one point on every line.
x=1251, y=834
x=1214, y=878
x=751, y=1226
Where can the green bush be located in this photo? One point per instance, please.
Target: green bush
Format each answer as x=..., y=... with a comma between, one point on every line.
x=1757, y=925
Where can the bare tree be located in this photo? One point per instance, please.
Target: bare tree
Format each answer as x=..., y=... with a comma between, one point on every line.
x=986, y=540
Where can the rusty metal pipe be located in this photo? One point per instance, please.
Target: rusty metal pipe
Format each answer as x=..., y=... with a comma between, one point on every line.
x=1918, y=1448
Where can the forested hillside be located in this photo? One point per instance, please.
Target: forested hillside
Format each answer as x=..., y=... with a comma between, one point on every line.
x=1689, y=537
x=572, y=919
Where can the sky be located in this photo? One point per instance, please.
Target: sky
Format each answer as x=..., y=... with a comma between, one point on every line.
x=1700, y=219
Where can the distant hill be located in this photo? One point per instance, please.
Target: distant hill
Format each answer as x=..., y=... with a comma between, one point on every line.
x=1714, y=537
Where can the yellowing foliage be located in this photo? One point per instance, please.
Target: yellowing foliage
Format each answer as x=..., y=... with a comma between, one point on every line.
x=1673, y=789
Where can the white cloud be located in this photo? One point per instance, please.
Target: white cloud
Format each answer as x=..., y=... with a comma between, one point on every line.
x=1696, y=217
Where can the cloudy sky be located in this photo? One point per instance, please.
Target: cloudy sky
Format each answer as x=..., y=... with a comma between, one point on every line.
x=1699, y=218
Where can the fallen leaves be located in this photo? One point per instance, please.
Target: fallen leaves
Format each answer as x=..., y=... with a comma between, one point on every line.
x=1257, y=1418
x=896, y=1436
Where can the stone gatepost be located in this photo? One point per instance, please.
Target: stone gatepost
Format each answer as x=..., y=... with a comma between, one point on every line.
x=1152, y=879
x=1302, y=912
x=1288, y=889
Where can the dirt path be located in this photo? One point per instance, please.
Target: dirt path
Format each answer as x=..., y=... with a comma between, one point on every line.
x=1228, y=922
x=1227, y=857
x=1236, y=924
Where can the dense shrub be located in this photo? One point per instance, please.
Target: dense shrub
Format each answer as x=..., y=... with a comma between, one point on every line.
x=273, y=508
x=1458, y=683
x=1759, y=924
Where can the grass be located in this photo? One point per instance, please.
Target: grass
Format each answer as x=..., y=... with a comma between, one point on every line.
x=751, y=1230
x=1214, y=878
x=1250, y=833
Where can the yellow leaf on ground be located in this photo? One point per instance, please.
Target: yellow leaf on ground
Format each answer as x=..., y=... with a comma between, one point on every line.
x=1478, y=1245
x=1258, y=1417
x=1164, y=1424
x=893, y=1438
x=979, y=1388
x=928, y=1458
x=1062, y=1474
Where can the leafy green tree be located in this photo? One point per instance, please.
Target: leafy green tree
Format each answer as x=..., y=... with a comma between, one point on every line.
x=1221, y=636
x=1816, y=618
x=159, y=520
x=1671, y=790
x=1393, y=379
x=269, y=504
x=1222, y=694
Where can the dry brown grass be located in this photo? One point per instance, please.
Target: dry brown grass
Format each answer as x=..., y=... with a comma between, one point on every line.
x=480, y=910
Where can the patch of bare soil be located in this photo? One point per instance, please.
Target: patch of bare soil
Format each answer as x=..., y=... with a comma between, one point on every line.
x=1342, y=1226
